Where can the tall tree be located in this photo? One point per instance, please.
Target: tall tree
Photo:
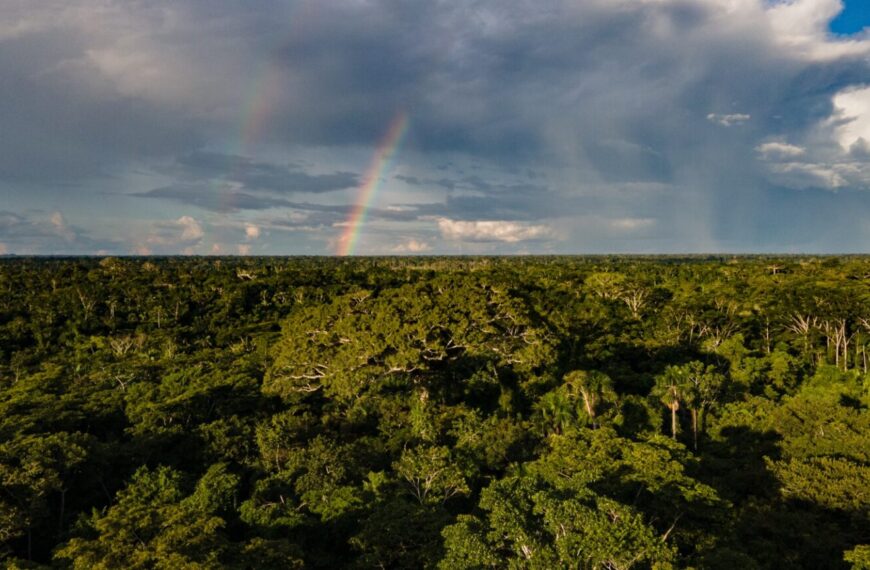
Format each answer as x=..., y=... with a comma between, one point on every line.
x=670, y=388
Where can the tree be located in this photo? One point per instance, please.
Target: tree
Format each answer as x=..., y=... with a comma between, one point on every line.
x=154, y=525
x=859, y=557
x=669, y=389
x=592, y=387
x=556, y=411
x=431, y=474
x=702, y=388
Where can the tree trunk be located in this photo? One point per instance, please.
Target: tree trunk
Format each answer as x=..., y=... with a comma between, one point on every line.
x=674, y=422
x=589, y=409
x=62, y=508
x=695, y=428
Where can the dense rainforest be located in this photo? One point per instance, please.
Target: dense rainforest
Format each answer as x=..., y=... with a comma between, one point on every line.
x=532, y=412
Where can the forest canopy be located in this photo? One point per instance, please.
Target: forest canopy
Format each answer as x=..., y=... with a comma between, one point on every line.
x=471, y=412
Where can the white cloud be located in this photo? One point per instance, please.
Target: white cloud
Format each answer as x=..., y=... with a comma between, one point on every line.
x=800, y=175
x=412, y=246
x=779, y=150
x=631, y=224
x=252, y=231
x=182, y=234
x=487, y=230
x=3, y=248
x=801, y=26
x=732, y=120
x=191, y=229
x=852, y=115
x=837, y=150
x=61, y=227
x=244, y=249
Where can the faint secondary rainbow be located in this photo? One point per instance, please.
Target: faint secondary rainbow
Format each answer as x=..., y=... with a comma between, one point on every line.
x=262, y=97
x=372, y=182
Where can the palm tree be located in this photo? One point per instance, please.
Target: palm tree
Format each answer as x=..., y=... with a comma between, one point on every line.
x=702, y=390
x=555, y=411
x=669, y=390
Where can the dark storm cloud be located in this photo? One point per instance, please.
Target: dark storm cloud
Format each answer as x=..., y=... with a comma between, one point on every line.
x=64, y=123
x=230, y=183
x=216, y=200
x=622, y=91
x=261, y=176
x=223, y=201
x=488, y=77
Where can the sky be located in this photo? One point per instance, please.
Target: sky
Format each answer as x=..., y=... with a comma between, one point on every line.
x=410, y=127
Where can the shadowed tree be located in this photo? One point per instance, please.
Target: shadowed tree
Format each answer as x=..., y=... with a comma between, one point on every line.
x=702, y=388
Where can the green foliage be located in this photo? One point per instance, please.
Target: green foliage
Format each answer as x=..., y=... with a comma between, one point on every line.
x=153, y=525
x=859, y=557
x=601, y=412
x=831, y=482
x=432, y=475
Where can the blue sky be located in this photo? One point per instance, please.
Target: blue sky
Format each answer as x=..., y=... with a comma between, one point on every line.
x=854, y=17
x=232, y=127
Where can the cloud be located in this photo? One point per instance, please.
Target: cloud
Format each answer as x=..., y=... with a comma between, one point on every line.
x=206, y=197
x=631, y=224
x=252, y=175
x=801, y=175
x=695, y=114
x=486, y=230
x=60, y=226
x=728, y=120
x=802, y=27
x=252, y=231
x=70, y=121
x=779, y=150
x=181, y=235
x=227, y=183
x=412, y=246
x=244, y=249
x=852, y=117
x=834, y=154
x=191, y=229
x=36, y=233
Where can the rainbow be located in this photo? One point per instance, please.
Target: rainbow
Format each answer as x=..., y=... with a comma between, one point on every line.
x=371, y=182
x=266, y=86
x=258, y=105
